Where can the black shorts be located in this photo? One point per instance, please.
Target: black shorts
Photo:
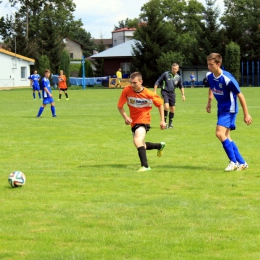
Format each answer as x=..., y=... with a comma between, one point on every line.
x=169, y=97
x=63, y=89
x=147, y=127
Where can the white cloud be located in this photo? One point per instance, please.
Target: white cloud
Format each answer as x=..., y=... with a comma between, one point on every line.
x=100, y=16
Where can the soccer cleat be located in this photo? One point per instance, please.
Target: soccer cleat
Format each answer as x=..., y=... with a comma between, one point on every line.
x=144, y=169
x=160, y=151
x=170, y=126
x=231, y=166
x=58, y=99
x=38, y=117
x=242, y=166
x=54, y=116
x=67, y=99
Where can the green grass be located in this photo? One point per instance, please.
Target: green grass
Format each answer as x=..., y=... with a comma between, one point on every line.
x=83, y=198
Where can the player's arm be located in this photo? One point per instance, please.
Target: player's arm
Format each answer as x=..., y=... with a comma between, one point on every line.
x=210, y=97
x=161, y=112
x=47, y=91
x=127, y=119
x=181, y=87
x=242, y=100
x=158, y=82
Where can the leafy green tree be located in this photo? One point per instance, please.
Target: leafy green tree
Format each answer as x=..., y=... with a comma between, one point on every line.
x=127, y=23
x=43, y=64
x=232, y=59
x=166, y=60
x=241, y=21
x=153, y=40
x=88, y=70
x=65, y=65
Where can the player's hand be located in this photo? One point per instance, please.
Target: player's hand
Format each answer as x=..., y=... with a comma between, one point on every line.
x=128, y=120
x=248, y=119
x=163, y=125
x=183, y=98
x=208, y=108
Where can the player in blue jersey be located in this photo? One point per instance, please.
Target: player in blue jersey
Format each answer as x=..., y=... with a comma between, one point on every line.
x=47, y=95
x=226, y=90
x=34, y=78
x=192, y=79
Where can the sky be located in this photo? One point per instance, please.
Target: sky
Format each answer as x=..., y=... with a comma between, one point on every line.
x=99, y=17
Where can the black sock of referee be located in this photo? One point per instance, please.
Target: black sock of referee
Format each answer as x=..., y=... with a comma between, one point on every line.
x=165, y=116
x=171, y=116
x=142, y=156
x=152, y=146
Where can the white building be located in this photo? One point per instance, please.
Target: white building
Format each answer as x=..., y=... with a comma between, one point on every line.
x=15, y=69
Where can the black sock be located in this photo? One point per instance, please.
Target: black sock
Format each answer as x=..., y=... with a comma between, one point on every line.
x=165, y=115
x=171, y=116
x=59, y=96
x=142, y=156
x=66, y=94
x=152, y=146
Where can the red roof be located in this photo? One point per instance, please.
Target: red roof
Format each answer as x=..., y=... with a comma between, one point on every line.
x=124, y=29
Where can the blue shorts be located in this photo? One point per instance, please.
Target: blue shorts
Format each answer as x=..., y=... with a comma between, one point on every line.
x=48, y=100
x=227, y=120
x=37, y=87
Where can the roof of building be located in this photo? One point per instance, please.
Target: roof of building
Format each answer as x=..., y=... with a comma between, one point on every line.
x=121, y=50
x=16, y=55
x=124, y=29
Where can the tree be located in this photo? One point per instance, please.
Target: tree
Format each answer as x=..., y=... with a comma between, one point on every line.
x=241, y=21
x=65, y=65
x=153, y=40
x=232, y=59
x=43, y=64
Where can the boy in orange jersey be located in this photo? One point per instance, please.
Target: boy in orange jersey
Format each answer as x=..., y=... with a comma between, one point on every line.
x=62, y=85
x=140, y=100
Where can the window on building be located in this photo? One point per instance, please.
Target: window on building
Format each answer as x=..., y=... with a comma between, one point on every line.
x=125, y=66
x=71, y=55
x=23, y=72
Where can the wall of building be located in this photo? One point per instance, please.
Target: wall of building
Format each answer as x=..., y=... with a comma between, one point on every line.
x=74, y=48
x=15, y=72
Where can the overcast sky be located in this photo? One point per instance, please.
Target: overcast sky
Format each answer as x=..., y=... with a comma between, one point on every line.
x=100, y=16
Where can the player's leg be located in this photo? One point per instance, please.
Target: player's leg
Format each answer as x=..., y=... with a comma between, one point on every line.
x=222, y=134
x=60, y=92
x=66, y=94
x=34, y=96
x=41, y=110
x=166, y=104
x=53, y=111
x=39, y=94
x=139, y=136
x=158, y=146
x=172, y=109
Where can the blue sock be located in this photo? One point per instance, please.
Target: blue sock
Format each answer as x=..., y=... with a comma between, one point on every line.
x=228, y=147
x=39, y=94
x=239, y=157
x=53, y=110
x=34, y=95
x=40, y=111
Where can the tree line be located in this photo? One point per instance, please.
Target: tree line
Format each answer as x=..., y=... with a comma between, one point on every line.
x=167, y=31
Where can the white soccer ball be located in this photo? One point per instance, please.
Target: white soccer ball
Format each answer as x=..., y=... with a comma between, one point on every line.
x=16, y=179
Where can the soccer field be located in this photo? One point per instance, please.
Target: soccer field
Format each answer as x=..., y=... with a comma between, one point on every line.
x=83, y=198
